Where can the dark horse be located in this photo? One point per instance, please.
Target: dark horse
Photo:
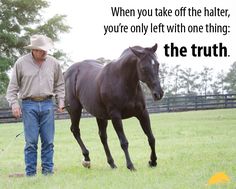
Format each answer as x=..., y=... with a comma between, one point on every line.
x=113, y=92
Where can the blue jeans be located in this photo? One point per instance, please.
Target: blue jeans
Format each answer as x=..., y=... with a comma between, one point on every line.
x=38, y=118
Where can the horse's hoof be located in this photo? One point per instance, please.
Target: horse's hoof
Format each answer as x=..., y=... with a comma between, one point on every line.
x=131, y=168
x=113, y=166
x=152, y=164
x=86, y=164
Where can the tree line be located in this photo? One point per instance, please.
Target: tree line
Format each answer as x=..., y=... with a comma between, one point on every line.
x=186, y=81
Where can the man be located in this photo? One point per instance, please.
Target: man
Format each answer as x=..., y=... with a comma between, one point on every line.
x=36, y=78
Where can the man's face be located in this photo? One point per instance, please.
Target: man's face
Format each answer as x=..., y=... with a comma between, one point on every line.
x=39, y=55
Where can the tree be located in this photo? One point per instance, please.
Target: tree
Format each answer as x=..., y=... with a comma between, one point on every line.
x=103, y=61
x=231, y=79
x=19, y=19
x=188, y=80
x=218, y=85
x=175, y=74
x=163, y=72
x=206, y=78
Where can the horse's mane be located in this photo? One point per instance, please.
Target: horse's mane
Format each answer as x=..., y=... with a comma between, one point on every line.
x=128, y=52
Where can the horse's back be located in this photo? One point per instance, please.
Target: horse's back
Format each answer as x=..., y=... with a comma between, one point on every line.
x=84, y=68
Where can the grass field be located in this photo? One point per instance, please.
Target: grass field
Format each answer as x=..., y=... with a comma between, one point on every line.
x=191, y=147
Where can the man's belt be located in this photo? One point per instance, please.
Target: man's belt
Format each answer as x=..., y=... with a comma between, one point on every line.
x=38, y=98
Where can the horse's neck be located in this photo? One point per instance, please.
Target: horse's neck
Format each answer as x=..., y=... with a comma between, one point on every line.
x=127, y=67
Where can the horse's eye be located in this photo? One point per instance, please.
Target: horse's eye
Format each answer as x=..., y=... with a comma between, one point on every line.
x=145, y=69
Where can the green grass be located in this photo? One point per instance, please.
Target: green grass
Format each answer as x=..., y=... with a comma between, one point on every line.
x=191, y=147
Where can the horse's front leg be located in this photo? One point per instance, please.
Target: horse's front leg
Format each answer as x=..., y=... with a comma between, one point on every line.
x=118, y=126
x=146, y=126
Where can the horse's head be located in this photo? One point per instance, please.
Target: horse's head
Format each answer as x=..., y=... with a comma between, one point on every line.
x=148, y=69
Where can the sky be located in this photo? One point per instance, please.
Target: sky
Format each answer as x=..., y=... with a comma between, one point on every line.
x=87, y=19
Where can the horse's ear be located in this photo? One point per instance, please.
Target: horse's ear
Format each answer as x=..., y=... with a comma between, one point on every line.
x=139, y=54
x=154, y=48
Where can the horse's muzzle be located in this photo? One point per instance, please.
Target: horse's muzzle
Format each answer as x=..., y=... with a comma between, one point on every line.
x=157, y=95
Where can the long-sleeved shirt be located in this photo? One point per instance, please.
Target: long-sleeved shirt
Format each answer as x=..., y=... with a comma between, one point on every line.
x=30, y=79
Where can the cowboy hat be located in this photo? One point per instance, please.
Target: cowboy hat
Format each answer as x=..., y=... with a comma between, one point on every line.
x=40, y=42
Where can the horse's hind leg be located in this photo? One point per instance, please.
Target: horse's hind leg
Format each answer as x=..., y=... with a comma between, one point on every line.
x=102, y=125
x=146, y=126
x=75, y=114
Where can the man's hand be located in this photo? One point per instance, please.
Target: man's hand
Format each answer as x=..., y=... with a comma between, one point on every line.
x=16, y=111
x=60, y=109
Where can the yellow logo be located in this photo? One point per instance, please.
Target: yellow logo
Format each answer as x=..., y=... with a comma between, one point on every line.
x=218, y=178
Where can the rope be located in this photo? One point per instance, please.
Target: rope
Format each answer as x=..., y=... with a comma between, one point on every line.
x=9, y=145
